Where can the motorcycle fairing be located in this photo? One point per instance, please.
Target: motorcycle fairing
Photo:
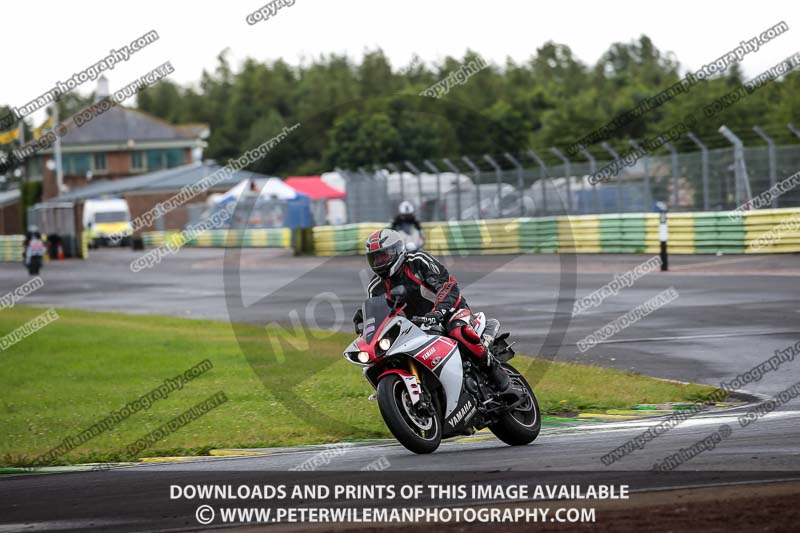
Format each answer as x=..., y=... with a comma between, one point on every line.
x=409, y=380
x=451, y=376
x=457, y=421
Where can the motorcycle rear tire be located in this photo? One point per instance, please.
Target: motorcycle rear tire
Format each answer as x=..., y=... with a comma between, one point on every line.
x=510, y=429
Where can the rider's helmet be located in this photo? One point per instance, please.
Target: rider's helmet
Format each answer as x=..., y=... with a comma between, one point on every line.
x=386, y=252
x=406, y=208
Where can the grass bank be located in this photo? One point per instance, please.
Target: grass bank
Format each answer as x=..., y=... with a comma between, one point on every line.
x=74, y=372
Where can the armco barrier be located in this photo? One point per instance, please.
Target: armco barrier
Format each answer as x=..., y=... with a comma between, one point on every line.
x=689, y=233
x=248, y=238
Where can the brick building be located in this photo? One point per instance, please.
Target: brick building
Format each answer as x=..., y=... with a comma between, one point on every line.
x=10, y=216
x=118, y=143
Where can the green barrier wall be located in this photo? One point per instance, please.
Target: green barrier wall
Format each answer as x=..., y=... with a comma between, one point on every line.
x=762, y=231
x=249, y=238
x=11, y=248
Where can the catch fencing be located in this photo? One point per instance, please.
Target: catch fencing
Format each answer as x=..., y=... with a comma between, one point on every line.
x=545, y=183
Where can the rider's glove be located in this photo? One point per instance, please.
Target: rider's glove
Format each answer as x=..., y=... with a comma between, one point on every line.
x=432, y=318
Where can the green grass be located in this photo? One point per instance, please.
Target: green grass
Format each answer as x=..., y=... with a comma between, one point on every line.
x=74, y=372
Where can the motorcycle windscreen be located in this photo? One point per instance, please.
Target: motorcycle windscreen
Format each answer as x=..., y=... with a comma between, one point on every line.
x=376, y=309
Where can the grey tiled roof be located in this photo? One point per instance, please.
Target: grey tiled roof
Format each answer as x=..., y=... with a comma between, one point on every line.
x=172, y=179
x=9, y=197
x=120, y=124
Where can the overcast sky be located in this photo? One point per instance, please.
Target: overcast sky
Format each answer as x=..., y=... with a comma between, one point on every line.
x=49, y=40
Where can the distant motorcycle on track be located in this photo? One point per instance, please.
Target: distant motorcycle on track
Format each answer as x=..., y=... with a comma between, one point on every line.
x=33, y=257
x=426, y=389
x=413, y=237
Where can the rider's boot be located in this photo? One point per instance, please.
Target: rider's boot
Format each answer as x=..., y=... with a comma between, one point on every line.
x=500, y=381
x=494, y=370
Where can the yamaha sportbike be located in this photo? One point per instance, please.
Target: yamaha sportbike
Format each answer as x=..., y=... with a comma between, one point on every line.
x=427, y=389
x=413, y=237
x=33, y=257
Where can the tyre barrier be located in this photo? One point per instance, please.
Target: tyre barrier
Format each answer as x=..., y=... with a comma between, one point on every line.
x=11, y=247
x=761, y=231
x=245, y=238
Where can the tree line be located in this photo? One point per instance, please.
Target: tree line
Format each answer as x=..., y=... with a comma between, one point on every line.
x=357, y=113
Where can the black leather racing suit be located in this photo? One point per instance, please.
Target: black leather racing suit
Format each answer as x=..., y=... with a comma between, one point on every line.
x=429, y=287
x=401, y=220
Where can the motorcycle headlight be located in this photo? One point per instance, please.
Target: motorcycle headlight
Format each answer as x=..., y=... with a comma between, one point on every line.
x=363, y=357
x=385, y=344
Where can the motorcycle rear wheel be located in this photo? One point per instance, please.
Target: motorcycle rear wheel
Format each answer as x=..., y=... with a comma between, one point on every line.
x=418, y=433
x=522, y=425
x=34, y=265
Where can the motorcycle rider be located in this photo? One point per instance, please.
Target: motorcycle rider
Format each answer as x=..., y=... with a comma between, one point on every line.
x=433, y=297
x=405, y=215
x=32, y=236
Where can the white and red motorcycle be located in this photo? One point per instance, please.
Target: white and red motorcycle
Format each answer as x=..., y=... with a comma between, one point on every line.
x=426, y=389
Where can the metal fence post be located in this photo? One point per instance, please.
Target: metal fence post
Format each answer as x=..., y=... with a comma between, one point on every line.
x=499, y=174
x=430, y=166
x=568, y=170
x=378, y=171
x=704, y=164
x=416, y=171
x=520, y=182
x=457, y=172
x=349, y=189
x=793, y=130
x=615, y=155
x=396, y=170
x=676, y=181
x=477, y=173
x=739, y=168
x=648, y=192
x=363, y=174
x=354, y=197
x=593, y=170
x=773, y=173
x=543, y=174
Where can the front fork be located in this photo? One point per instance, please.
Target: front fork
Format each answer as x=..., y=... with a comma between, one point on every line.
x=428, y=404
x=414, y=371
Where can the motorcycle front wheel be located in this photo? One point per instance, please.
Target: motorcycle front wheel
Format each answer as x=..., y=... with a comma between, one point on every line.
x=522, y=425
x=419, y=432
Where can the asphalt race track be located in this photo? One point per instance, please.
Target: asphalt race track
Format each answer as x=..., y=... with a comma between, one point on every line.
x=136, y=498
x=732, y=313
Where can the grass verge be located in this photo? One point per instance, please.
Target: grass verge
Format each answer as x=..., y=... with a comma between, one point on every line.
x=75, y=371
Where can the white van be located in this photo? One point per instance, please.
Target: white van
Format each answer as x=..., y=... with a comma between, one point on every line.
x=103, y=218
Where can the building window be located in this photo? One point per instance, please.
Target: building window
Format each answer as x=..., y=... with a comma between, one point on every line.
x=100, y=163
x=76, y=164
x=152, y=160
x=137, y=161
x=156, y=160
x=174, y=157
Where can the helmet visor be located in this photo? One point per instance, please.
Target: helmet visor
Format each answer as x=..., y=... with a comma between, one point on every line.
x=381, y=260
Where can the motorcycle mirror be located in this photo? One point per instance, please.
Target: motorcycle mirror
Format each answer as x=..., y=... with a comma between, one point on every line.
x=398, y=295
